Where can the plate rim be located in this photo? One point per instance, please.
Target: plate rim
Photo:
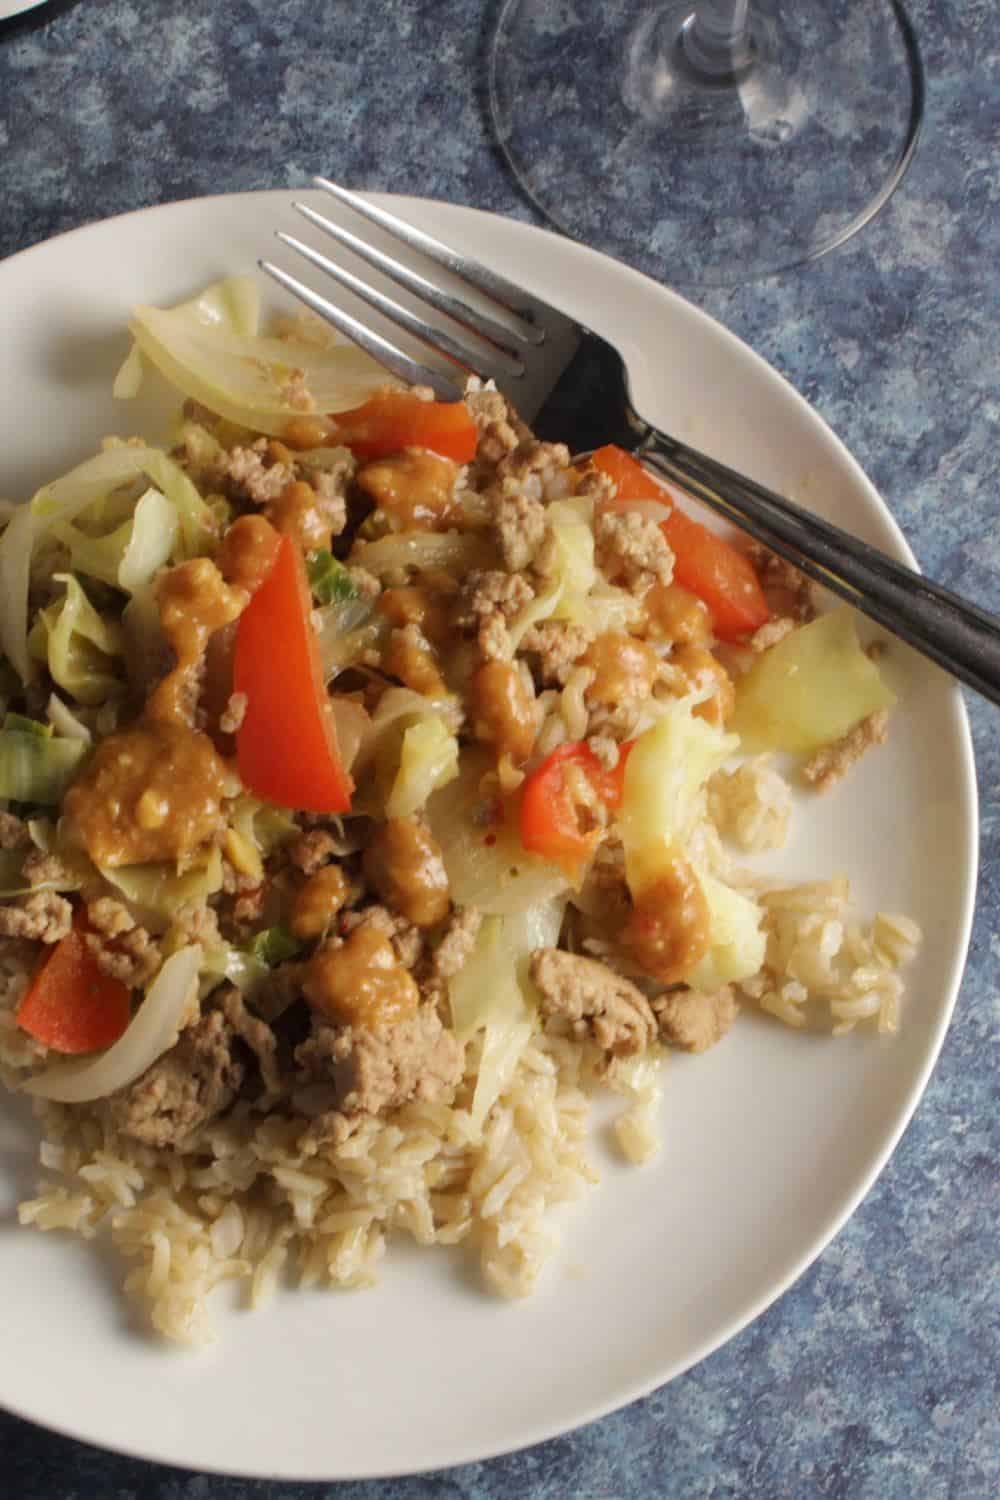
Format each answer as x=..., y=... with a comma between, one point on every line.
x=820, y=1239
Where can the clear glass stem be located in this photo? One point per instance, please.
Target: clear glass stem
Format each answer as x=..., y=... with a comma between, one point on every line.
x=715, y=40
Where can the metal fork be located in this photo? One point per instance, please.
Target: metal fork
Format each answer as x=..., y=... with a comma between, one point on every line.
x=572, y=386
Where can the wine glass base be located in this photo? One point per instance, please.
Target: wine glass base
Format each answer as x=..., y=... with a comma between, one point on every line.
x=622, y=145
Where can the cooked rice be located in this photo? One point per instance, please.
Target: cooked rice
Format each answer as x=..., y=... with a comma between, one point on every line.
x=752, y=805
x=254, y=1201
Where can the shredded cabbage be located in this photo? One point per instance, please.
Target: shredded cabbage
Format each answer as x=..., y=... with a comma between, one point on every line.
x=737, y=942
x=265, y=826
x=428, y=760
x=223, y=961
x=493, y=992
x=57, y=505
x=81, y=648
x=666, y=770
x=152, y=1031
x=571, y=570
x=810, y=689
x=37, y=767
x=155, y=891
x=273, y=946
x=65, y=722
x=347, y=630
x=487, y=864
x=233, y=304
x=151, y=542
x=329, y=579
x=455, y=552
x=253, y=381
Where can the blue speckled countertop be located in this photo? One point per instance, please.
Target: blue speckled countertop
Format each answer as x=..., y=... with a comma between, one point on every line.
x=877, y=1374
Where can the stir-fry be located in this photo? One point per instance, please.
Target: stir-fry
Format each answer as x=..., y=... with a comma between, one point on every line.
x=373, y=778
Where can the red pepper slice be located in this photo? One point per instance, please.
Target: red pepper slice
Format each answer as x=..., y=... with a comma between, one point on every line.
x=723, y=578
x=396, y=419
x=286, y=746
x=550, y=822
x=71, y=1005
x=633, y=481
x=704, y=564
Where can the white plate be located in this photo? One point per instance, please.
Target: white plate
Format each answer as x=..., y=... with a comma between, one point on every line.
x=770, y=1140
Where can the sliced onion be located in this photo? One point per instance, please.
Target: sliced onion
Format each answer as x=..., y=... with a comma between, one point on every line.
x=153, y=1030
x=398, y=703
x=455, y=552
x=353, y=724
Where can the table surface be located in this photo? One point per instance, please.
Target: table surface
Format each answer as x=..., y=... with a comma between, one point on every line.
x=871, y=1376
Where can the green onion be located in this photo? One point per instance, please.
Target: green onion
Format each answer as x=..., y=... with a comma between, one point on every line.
x=274, y=946
x=329, y=579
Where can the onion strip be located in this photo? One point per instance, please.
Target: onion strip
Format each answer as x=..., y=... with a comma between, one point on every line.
x=152, y=1031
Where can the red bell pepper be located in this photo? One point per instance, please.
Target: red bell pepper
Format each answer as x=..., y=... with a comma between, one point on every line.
x=550, y=822
x=633, y=481
x=724, y=579
x=71, y=1005
x=397, y=419
x=704, y=564
x=286, y=746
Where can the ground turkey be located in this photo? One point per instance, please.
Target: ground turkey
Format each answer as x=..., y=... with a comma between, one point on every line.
x=387, y=1065
x=694, y=1021
x=191, y=1084
x=594, y=1001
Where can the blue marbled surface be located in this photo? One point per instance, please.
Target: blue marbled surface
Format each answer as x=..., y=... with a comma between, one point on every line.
x=876, y=1375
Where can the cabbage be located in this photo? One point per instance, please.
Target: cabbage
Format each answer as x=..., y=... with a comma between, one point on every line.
x=197, y=525
x=428, y=760
x=736, y=941
x=665, y=771
x=329, y=579
x=79, y=646
x=265, y=826
x=486, y=863
x=65, y=722
x=128, y=556
x=273, y=946
x=494, y=992
x=224, y=962
x=151, y=543
x=233, y=304
x=37, y=767
x=152, y=1031
x=347, y=630
x=155, y=891
x=810, y=689
x=16, y=546
x=246, y=378
x=664, y=774
x=571, y=570
x=455, y=552
x=58, y=504
x=396, y=705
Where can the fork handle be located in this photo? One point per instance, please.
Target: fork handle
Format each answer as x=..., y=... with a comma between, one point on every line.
x=960, y=637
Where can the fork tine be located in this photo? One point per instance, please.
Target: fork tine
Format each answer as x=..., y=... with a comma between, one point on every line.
x=394, y=360
x=476, y=363
x=513, y=297
x=480, y=323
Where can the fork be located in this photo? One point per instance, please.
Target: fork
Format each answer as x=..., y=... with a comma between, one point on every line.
x=571, y=385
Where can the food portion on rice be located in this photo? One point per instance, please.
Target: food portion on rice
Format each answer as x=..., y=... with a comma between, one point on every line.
x=374, y=782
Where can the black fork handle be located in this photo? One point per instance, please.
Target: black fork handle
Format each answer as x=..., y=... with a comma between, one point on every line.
x=960, y=637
